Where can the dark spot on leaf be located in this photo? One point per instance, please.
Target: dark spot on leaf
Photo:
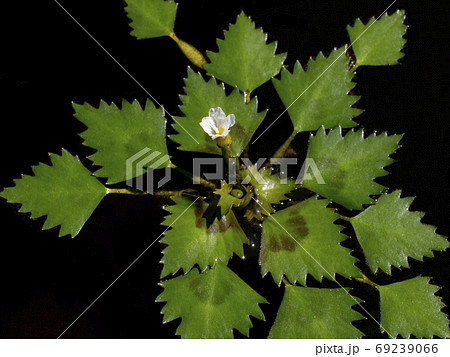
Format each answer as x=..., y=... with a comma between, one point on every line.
x=218, y=299
x=194, y=283
x=199, y=211
x=203, y=291
x=294, y=220
x=224, y=224
x=239, y=131
x=297, y=224
x=199, y=220
x=221, y=294
x=274, y=244
x=331, y=166
x=218, y=226
x=277, y=243
x=199, y=289
x=301, y=231
x=287, y=243
x=339, y=176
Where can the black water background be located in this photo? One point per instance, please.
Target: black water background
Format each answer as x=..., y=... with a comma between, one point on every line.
x=49, y=61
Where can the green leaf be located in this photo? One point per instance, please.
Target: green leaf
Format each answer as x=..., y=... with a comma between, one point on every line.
x=151, y=18
x=268, y=189
x=349, y=164
x=191, y=242
x=316, y=313
x=389, y=233
x=379, y=42
x=210, y=304
x=121, y=134
x=202, y=96
x=319, y=95
x=65, y=192
x=411, y=308
x=230, y=197
x=244, y=59
x=303, y=239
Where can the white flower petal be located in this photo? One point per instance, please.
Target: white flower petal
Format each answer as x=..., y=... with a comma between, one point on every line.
x=219, y=112
x=222, y=123
x=217, y=124
x=208, y=125
x=231, y=120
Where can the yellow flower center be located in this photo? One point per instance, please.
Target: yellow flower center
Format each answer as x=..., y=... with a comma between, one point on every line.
x=219, y=130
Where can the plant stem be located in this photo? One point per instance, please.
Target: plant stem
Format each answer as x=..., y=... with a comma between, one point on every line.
x=282, y=149
x=189, y=51
x=199, y=180
x=226, y=153
x=247, y=96
x=161, y=193
x=348, y=219
x=365, y=280
x=354, y=68
x=174, y=193
x=227, y=156
x=126, y=191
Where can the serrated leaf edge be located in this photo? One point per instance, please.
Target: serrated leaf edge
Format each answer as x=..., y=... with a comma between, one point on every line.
x=420, y=215
x=441, y=303
x=385, y=15
x=32, y=216
x=325, y=274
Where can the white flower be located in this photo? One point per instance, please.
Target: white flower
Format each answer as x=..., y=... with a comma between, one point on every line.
x=217, y=124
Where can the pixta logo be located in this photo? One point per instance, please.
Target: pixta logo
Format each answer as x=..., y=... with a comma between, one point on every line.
x=146, y=161
x=308, y=171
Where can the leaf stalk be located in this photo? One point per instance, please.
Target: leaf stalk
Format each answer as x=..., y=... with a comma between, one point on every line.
x=365, y=280
x=354, y=68
x=126, y=191
x=283, y=148
x=193, y=55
